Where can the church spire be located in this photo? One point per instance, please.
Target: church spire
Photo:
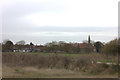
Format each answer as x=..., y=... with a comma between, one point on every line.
x=89, y=39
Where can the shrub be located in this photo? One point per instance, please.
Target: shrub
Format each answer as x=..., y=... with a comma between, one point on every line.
x=81, y=63
x=111, y=48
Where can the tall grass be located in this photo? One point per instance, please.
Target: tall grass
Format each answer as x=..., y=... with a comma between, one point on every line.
x=83, y=62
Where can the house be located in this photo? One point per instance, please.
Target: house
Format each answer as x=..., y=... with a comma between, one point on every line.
x=23, y=48
x=72, y=47
x=38, y=48
x=83, y=47
x=26, y=48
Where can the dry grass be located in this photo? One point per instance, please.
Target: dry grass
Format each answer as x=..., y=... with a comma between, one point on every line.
x=20, y=65
x=33, y=72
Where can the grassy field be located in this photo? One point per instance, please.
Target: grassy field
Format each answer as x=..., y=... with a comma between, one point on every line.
x=62, y=65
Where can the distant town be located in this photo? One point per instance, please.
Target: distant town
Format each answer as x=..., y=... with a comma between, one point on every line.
x=57, y=47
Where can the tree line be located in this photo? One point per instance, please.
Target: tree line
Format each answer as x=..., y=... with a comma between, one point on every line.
x=111, y=47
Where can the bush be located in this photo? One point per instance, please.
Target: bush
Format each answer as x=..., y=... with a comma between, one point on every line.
x=111, y=48
x=81, y=64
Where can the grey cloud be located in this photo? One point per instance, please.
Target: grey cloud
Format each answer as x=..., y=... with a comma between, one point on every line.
x=25, y=8
x=74, y=29
x=59, y=29
x=16, y=29
x=45, y=39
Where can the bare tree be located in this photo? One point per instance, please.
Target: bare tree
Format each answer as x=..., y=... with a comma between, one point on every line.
x=22, y=42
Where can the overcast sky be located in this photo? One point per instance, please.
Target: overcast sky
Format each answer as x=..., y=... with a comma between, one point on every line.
x=41, y=21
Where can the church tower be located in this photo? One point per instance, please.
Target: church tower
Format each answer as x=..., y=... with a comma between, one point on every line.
x=89, y=39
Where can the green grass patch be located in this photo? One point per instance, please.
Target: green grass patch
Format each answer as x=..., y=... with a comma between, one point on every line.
x=105, y=61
